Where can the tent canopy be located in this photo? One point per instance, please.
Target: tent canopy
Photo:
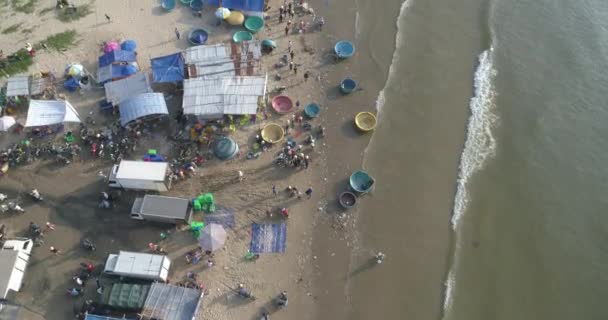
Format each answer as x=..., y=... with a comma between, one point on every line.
x=113, y=71
x=48, y=112
x=18, y=85
x=116, y=56
x=6, y=123
x=168, y=68
x=254, y=6
x=126, y=296
x=120, y=90
x=142, y=105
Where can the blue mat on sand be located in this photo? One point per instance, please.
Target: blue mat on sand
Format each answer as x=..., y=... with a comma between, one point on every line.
x=268, y=238
x=222, y=215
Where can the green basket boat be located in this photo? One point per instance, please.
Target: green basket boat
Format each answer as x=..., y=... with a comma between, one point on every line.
x=254, y=24
x=241, y=36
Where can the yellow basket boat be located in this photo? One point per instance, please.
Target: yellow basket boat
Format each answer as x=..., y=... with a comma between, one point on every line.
x=273, y=133
x=365, y=121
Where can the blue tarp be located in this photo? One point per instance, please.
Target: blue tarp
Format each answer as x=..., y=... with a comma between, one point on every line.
x=168, y=68
x=71, y=84
x=245, y=5
x=116, y=56
x=114, y=71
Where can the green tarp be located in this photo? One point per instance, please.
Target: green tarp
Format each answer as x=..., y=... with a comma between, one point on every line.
x=126, y=296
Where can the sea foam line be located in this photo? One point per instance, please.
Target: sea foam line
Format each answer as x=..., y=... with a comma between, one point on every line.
x=479, y=146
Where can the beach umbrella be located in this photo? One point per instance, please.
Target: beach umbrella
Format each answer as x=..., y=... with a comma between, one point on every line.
x=212, y=237
x=222, y=13
x=6, y=123
x=128, y=45
x=110, y=46
x=74, y=70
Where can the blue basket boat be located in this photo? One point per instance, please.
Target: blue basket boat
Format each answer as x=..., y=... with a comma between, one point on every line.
x=312, y=110
x=196, y=5
x=344, y=49
x=168, y=5
x=348, y=85
x=361, y=181
x=197, y=37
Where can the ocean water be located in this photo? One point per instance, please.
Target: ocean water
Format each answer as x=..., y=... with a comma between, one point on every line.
x=490, y=160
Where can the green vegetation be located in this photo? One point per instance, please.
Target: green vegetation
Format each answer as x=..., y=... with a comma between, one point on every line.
x=11, y=29
x=16, y=63
x=60, y=41
x=24, y=6
x=69, y=15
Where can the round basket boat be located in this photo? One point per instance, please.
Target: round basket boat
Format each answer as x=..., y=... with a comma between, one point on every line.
x=272, y=133
x=361, y=181
x=344, y=49
x=348, y=85
x=347, y=199
x=168, y=5
x=241, y=36
x=185, y=2
x=225, y=148
x=236, y=18
x=282, y=104
x=254, y=24
x=365, y=121
x=269, y=43
x=312, y=110
x=196, y=5
x=197, y=37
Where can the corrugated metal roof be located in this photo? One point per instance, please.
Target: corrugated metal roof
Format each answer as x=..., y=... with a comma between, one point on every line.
x=206, y=52
x=18, y=85
x=142, y=105
x=168, y=302
x=48, y=112
x=224, y=60
x=213, y=98
x=38, y=85
x=120, y=90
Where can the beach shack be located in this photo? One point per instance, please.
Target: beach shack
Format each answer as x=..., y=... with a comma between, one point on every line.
x=153, y=267
x=224, y=60
x=211, y=99
x=121, y=90
x=18, y=86
x=145, y=106
x=50, y=112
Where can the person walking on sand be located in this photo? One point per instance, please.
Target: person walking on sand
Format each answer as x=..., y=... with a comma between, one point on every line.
x=295, y=69
x=306, y=162
x=306, y=75
x=287, y=29
x=108, y=18
x=177, y=35
x=281, y=18
x=289, y=46
x=290, y=65
x=274, y=189
x=241, y=176
x=309, y=192
x=291, y=55
x=281, y=10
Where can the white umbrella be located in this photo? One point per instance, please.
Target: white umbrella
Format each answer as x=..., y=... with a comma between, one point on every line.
x=6, y=123
x=222, y=13
x=212, y=237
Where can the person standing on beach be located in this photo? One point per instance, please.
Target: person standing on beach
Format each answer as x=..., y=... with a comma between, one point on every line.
x=108, y=18
x=295, y=69
x=177, y=35
x=289, y=7
x=306, y=75
x=281, y=10
x=292, y=54
x=289, y=46
x=290, y=65
x=309, y=192
x=241, y=176
x=287, y=29
x=274, y=189
x=306, y=162
x=281, y=18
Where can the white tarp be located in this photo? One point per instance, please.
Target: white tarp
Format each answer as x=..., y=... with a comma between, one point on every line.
x=213, y=98
x=142, y=105
x=48, y=112
x=6, y=123
x=18, y=85
x=118, y=91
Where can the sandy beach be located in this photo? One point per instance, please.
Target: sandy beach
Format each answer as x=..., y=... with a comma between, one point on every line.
x=72, y=192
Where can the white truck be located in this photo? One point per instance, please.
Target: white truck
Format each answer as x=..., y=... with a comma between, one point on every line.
x=14, y=257
x=162, y=209
x=138, y=265
x=140, y=175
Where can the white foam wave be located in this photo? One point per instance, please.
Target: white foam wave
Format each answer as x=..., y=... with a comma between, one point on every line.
x=398, y=45
x=480, y=144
